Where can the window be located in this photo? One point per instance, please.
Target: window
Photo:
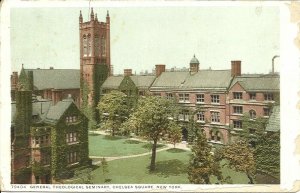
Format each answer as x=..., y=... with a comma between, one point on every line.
x=97, y=46
x=89, y=40
x=252, y=96
x=103, y=46
x=200, y=98
x=71, y=137
x=72, y=157
x=266, y=112
x=184, y=97
x=237, y=95
x=200, y=116
x=237, y=109
x=252, y=114
x=215, y=136
x=237, y=124
x=45, y=160
x=184, y=115
x=215, y=99
x=215, y=117
x=169, y=96
x=84, y=42
x=71, y=119
x=268, y=97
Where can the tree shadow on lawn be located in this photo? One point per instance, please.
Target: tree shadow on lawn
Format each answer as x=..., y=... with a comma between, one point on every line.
x=109, y=137
x=149, y=146
x=168, y=168
x=175, y=150
x=130, y=141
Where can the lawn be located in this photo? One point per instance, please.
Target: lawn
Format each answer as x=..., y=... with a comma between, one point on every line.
x=171, y=168
x=108, y=146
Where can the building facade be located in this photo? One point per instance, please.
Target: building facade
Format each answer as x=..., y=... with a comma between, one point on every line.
x=48, y=141
x=211, y=101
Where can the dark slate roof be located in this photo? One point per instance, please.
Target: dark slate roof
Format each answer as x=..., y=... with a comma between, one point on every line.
x=274, y=120
x=208, y=79
x=112, y=82
x=39, y=108
x=258, y=83
x=55, y=78
x=170, y=80
x=142, y=82
x=55, y=112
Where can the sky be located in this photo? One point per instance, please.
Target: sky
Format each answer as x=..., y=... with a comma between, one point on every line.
x=142, y=37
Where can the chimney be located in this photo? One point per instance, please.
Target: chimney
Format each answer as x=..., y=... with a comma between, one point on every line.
x=127, y=72
x=14, y=80
x=235, y=68
x=159, y=68
x=30, y=80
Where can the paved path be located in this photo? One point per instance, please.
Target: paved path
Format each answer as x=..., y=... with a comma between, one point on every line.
x=96, y=159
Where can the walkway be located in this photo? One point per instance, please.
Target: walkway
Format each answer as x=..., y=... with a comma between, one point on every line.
x=96, y=159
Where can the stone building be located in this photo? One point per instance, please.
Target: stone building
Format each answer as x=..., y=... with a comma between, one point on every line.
x=48, y=141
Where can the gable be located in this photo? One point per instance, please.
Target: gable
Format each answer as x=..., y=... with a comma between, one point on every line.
x=236, y=87
x=127, y=84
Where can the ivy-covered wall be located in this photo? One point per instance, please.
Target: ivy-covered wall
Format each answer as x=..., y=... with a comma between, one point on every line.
x=60, y=148
x=128, y=87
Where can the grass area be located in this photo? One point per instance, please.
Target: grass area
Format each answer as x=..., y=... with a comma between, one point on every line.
x=171, y=168
x=110, y=146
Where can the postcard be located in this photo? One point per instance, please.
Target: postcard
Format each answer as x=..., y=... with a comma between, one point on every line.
x=126, y=96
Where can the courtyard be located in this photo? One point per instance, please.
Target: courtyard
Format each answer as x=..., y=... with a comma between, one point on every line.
x=128, y=163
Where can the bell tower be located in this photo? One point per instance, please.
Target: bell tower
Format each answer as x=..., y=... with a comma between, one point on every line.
x=94, y=57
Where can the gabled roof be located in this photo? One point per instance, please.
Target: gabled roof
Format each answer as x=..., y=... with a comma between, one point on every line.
x=142, y=82
x=274, y=120
x=112, y=82
x=208, y=79
x=170, y=80
x=55, y=112
x=55, y=78
x=258, y=83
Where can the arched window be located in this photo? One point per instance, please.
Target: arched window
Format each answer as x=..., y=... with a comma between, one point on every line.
x=97, y=46
x=89, y=45
x=252, y=114
x=103, y=46
x=84, y=42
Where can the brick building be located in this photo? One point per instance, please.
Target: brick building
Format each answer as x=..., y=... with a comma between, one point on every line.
x=213, y=100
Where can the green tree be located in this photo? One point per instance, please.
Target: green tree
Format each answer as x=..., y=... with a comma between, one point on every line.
x=105, y=170
x=153, y=116
x=113, y=110
x=84, y=175
x=241, y=158
x=203, y=163
x=175, y=134
x=267, y=154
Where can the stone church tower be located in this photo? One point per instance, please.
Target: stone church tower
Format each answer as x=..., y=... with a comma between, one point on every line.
x=94, y=57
